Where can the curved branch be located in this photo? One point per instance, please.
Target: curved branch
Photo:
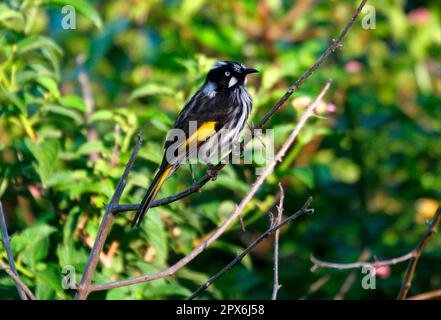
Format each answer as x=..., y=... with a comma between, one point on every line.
x=342, y=266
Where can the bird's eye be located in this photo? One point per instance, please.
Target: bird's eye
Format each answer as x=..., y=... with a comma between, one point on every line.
x=227, y=73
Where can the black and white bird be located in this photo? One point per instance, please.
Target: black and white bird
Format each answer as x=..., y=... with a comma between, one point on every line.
x=207, y=127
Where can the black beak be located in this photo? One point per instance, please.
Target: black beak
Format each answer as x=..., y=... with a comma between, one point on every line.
x=250, y=70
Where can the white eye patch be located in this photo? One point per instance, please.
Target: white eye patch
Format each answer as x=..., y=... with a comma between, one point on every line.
x=232, y=82
x=227, y=73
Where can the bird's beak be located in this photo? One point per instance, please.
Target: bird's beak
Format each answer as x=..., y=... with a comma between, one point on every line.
x=250, y=70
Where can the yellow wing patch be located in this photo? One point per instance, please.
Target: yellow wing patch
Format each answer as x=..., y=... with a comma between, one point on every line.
x=205, y=131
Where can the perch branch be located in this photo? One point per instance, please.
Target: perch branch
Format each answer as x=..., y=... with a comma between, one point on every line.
x=274, y=228
x=237, y=212
x=207, y=177
x=83, y=289
x=7, y=245
x=277, y=286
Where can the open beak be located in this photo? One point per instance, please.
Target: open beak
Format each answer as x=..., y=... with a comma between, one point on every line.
x=250, y=70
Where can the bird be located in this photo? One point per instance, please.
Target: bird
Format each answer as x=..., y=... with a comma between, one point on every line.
x=206, y=128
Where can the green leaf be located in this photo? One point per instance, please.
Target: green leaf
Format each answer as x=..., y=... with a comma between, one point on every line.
x=83, y=7
x=74, y=102
x=198, y=278
x=345, y=170
x=64, y=112
x=306, y=175
x=9, y=15
x=35, y=252
x=32, y=245
x=37, y=42
x=155, y=230
x=101, y=115
x=30, y=235
x=50, y=85
x=46, y=154
x=65, y=178
x=68, y=255
x=165, y=290
x=150, y=89
x=89, y=147
x=51, y=277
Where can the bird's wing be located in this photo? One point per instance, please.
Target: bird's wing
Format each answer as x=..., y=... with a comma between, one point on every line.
x=210, y=114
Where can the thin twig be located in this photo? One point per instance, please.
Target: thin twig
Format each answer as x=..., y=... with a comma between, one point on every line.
x=270, y=231
x=237, y=212
x=86, y=92
x=410, y=272
x=20, y=284
x=277, y=285
x=426, y=295
x=7, y=245
x=413, y=257
x=334, y=46
x=342, y=266
x=207, y=177
x=83, y=289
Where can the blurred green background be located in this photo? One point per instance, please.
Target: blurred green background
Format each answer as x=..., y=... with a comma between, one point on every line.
x=373, y=164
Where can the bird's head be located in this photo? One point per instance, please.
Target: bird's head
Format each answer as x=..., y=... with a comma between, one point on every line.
x=227, y=75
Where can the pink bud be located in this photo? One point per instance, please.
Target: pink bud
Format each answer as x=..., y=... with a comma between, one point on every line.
x=331, y=108
x=383, y=272
x=418, y=16
x=353, y=66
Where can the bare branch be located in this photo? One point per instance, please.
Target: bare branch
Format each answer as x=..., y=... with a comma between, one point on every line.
x=207, y=177
x=271, y=230
x=21, y=287
x=277, y=286
x=7, y=245
x=426, y=295
x=413, y=257
x=410, y=272
x=237, y=212
x=83, y=289
x=342, y=266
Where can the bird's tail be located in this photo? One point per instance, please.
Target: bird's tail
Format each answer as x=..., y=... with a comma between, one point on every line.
x=150, y=195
